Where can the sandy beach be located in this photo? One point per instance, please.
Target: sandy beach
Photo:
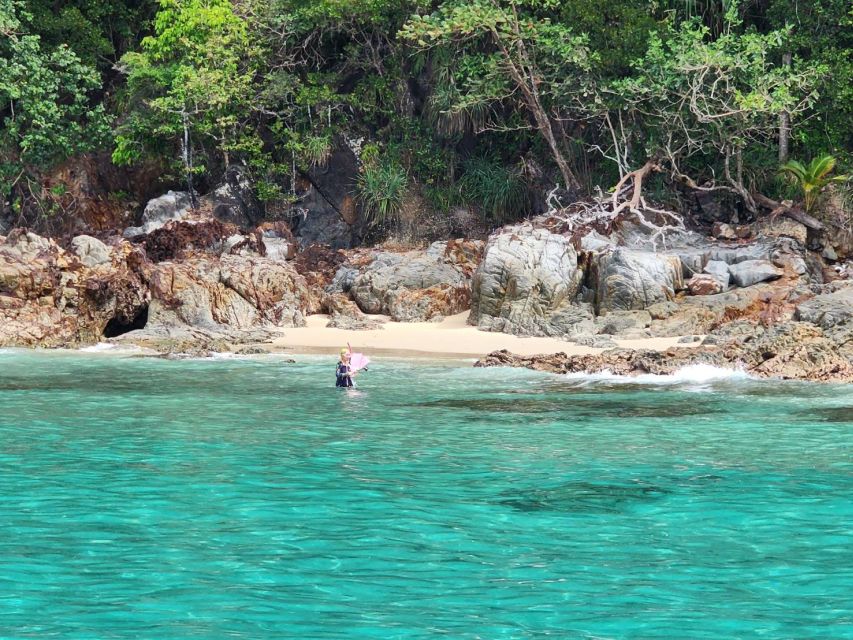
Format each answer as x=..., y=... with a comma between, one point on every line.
x=450, y=337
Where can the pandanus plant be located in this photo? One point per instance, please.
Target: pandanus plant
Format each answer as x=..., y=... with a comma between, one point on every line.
x=813, y=177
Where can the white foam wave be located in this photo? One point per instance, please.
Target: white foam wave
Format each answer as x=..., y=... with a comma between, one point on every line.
x=694, y=374
x=103, y=347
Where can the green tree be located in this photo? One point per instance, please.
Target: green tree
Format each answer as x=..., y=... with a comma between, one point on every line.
x=511, y=52
x=618, y=30
x=47, y=112
x=821, y=32
x=715, y=100
x=98, y=31
x=192, y=86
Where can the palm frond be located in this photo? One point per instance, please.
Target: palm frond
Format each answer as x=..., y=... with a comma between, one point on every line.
x=794, y=169
x=821, y=166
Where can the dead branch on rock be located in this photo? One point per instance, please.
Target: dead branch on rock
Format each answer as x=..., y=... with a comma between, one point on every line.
x=636, y=177
x=789, y=211
x=605, y=212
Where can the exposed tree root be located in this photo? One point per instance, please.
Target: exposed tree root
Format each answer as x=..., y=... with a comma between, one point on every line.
x=604, y=213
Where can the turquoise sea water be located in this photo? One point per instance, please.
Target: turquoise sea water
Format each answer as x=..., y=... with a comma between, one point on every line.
x=146, y=498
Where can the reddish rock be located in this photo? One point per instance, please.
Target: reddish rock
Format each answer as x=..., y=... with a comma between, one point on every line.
x=703, y=284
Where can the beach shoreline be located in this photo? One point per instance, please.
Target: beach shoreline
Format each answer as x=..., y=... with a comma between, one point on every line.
x=452, y=337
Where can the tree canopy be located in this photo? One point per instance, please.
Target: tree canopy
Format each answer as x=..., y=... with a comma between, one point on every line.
x=525, y=92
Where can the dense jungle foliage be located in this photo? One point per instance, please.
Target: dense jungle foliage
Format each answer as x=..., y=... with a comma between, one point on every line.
x=484, y=103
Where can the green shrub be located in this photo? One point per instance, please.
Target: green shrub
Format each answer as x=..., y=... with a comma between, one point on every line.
x=381, y=187
x=500, y=193
x=318, y=150
x=442, y=198
x=813, y=177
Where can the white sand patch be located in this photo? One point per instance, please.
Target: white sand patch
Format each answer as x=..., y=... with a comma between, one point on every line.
x=452, y=336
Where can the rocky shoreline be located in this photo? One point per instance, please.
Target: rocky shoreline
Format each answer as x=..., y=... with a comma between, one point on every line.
x=775, y=299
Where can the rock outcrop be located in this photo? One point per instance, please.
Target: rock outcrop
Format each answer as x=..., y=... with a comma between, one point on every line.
x=234, y=200
x=327, y=212
x=828, y=310
x=633, y=280
x=49, y=297
x=532, y=281
x=230, y=292
x=52, y=297
x=793, y=350
x=211, y=275
x=412, y=286
x=526, y=284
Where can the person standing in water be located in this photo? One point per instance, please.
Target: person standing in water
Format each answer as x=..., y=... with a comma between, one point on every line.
x=343, y=375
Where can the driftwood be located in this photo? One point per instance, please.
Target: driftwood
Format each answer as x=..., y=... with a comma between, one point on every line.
x=789, y=211
x=637, y=197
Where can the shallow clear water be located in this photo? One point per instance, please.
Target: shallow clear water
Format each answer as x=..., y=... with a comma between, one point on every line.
x=145, y=498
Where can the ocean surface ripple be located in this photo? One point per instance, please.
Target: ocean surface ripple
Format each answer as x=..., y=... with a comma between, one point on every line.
x=249, y=498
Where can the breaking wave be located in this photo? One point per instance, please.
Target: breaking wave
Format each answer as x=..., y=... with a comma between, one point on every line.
x=691, y=374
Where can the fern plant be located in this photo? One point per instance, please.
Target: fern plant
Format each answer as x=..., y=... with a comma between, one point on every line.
x=813, y=177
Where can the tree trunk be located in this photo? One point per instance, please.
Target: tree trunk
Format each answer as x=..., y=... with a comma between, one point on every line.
x=530, y=92
x=794, y=213
x=187, y=157
x=737, y=180
x=784, y=124
x=544, y=124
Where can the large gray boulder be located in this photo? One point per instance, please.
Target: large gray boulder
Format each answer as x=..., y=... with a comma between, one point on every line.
x=234, y=200
x=718, y=270
x=733, y=254
x=91, y=251
x=829, y=309
x=632, y=280
x=527, y=284
x=750, y=272
x=173, y=205
x=410, y=287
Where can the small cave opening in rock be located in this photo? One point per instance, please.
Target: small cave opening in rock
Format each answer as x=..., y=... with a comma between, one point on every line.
x=119, y=326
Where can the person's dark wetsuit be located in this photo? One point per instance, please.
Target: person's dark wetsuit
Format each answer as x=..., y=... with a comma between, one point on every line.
x=343, y=378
